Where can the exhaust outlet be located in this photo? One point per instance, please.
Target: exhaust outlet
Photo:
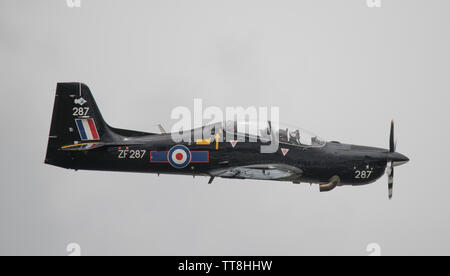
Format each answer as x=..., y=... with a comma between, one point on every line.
x=333, y=182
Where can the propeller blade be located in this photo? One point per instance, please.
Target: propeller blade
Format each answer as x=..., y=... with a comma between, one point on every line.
x=391, y=138
x=391, y=180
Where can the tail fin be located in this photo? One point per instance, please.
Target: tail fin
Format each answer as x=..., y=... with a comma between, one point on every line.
x=76, y=120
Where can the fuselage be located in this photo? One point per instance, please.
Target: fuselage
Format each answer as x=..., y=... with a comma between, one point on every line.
x=354, y=165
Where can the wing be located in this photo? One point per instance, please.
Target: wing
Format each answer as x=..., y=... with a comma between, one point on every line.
x=281, y=172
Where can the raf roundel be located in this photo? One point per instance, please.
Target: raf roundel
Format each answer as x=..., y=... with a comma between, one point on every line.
x=179, y=156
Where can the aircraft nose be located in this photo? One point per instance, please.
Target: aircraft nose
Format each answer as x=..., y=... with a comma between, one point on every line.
x=398, y=158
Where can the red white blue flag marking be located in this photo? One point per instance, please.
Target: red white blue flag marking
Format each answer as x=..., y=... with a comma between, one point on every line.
x=87, y=129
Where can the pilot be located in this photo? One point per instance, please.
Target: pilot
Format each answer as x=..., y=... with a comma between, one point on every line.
x=295, y=137
x=283, y=135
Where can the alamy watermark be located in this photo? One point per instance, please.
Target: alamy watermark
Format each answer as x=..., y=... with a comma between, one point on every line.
x=73, y=249
x=251, y=124
x=374, y=249
x=73, y=3
x=374, y=3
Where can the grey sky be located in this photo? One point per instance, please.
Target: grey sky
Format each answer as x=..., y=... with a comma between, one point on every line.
x=338, y=68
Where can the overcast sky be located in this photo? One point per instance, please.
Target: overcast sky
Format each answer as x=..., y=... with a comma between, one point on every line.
x=338, y=68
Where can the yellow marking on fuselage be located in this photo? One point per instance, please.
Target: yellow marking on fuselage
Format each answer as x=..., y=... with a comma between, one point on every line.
x=217, y=141
x=78, y=145
x=203, y=141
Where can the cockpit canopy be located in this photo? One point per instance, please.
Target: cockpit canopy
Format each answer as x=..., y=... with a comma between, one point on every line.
x=300, y=137
x=285, y=133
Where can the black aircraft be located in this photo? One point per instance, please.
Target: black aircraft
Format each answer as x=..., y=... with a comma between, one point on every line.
x=80, y=139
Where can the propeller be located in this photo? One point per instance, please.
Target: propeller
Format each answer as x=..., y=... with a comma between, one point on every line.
x=393, y=159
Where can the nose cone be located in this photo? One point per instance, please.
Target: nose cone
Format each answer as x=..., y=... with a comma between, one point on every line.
x=397, y=158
